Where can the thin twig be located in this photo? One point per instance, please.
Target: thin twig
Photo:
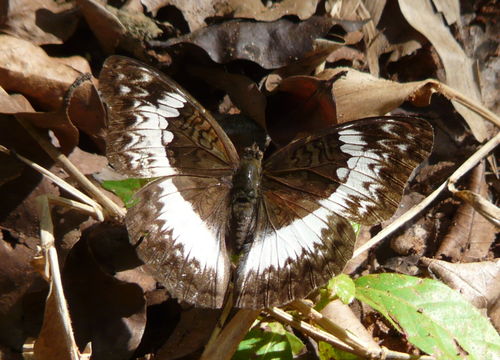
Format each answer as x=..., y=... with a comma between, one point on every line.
x=50, y=253
x=329, y=326
x=478, y=108
x=231, y=336
x=320, y=335
x=464, y=168
x=111, y=208
x=97, y=209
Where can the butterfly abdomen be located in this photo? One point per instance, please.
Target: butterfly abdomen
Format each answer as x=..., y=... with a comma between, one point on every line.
x=244, y=197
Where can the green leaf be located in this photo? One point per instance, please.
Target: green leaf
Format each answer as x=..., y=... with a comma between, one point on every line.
x=269, y=341
x=340, y=286
x=433, y=317
x=328, y=352
x=125, y=189
x=356, y=227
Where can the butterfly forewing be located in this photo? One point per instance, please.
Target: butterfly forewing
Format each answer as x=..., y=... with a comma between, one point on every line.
x=356, y=171
x=155, y=128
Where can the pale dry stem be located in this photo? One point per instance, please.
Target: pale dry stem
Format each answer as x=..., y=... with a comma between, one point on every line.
x=109, y=206
x=52, y=266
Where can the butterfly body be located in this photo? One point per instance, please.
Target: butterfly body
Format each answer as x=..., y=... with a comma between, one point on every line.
x=245, y=196
x=286, y=217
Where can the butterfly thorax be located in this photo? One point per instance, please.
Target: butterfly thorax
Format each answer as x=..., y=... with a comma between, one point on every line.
x=245, y=195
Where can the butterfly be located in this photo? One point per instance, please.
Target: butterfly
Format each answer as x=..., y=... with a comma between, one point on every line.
x=274, y=228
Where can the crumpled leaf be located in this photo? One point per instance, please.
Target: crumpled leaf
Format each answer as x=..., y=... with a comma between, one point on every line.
x=40, y=21
x=119, y=28
x=458, y=66
x=299, y=106
x=388, y=33
x=469, y=235
x=433, y=317
x=104, y=289
x=22, y=290
x=244, y=92
x=27, y=69
x=197, y=11
x=478, y=282
x=191, y=333
x=269, y=44
x=359, y=95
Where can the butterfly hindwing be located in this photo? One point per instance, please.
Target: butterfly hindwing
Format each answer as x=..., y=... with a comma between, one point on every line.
x=310, y=189
x=297, y=247
x=155, y=128
x=178, y=229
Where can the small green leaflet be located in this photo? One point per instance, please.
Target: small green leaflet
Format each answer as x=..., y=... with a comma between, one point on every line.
x=340, y=286
x=268, y=341
x=125, y=189
x=433, y=317
x=328, y=352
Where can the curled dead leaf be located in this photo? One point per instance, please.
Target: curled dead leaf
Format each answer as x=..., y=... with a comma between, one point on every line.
x=197, y=11
x=269, y=44
x=459, y=68
x=41, y=21
x=299, y=106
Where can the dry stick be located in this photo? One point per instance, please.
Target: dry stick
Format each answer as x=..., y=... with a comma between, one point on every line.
x=50, y=253
x=465, y=167
x=321, y=335
x=339, y=332
x=231, y=336
x=479, y=109
x=96, y=209
x=113, y=209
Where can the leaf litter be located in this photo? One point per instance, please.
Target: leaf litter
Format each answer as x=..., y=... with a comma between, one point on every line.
x=397, y=58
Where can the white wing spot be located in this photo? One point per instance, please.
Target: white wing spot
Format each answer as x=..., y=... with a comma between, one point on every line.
x=124, y=90
x=176, y=96
x=145, y=77
x=350, y=136
x=168, y=100
x=342, y=173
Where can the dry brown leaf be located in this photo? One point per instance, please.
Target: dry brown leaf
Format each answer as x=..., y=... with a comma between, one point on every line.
x=481, y=205
x=105, y=291
x=51, y=342
x=196, y=11
x=11, y=104
x=269, y=44
x=25, y=68
x=479, y=282
x=460, y=69
x=20, y=289
x=119, y=28
x=40, y=21
x=191, y=333
x=244, y=93
x=360, y=95
x=343, y=316
x=388, y=32
x=468, y=226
